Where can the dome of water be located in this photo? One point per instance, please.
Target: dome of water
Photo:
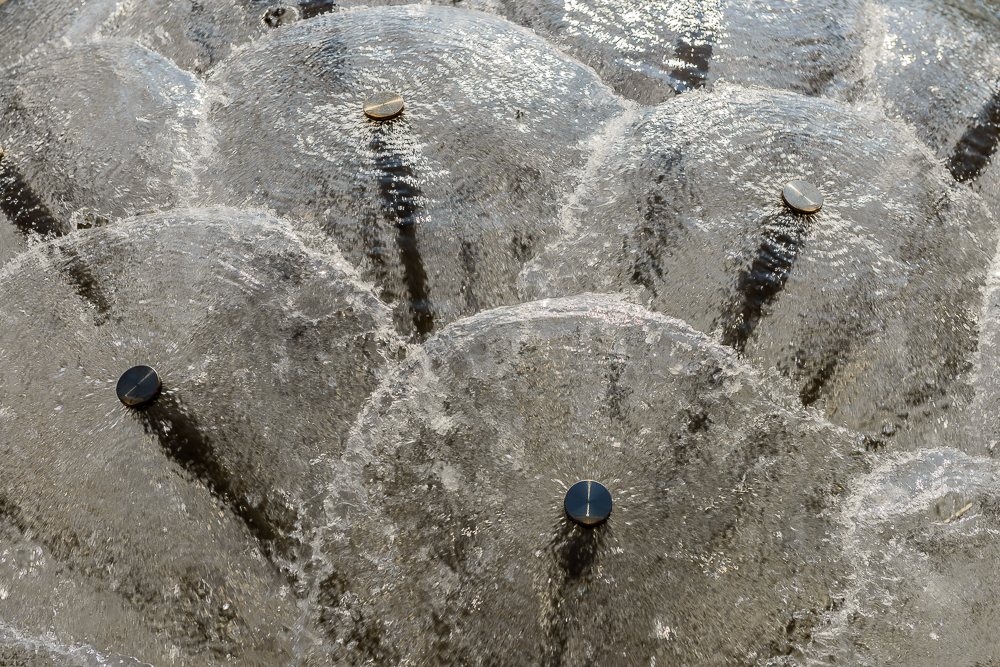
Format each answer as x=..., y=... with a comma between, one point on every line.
x=193, y=34
x=442, y=207
x=388, y=348
x=97, y=131
x=920, y=532
x=687, y=212
x=183, y=515
x=932, y=64
x=453, y=486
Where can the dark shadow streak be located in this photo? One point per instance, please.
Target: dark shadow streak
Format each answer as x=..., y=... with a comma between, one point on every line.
x=311, y=8
x=813, y=388
x=10, y=513
x=190, y=447
x=31, y=216
x=575, y=549
x=695, y=75
x=399, y=198
x=22, y=206
x=60, y=544
x=974, y=150
x=87, y=286
x=757, y=287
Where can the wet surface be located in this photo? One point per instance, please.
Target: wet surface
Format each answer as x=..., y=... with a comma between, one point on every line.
x=647, y=51
x=213, y=442
x=759, y=286
x=23, y=207
x=974, y=151
x=193, y=34
x=920, y=532
x=693, y=225
x=97, y=129
x=466, y=455
x=311, y=8
x=401, y=210
x=464, y=219
x=936, y=68
x=184, y=442
x=389, y=348
x=932, y=64
x=275, y=17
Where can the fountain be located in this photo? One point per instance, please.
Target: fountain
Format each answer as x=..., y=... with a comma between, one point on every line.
x=388, y=349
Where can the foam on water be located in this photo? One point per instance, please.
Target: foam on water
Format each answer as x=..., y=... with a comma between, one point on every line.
x=20, y=650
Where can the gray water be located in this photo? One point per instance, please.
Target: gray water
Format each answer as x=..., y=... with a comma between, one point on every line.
x=388, y=349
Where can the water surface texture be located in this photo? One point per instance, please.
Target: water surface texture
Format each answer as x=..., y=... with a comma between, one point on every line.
x=181, y=519
x=466, y=452
x=388, y=348
x=442, y=207
x=687, y=211
x=99, y=130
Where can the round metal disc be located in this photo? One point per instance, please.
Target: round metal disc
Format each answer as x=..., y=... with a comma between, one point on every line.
x=138, y=386
x=588, y=503
x=802, y=197
x=384, y=105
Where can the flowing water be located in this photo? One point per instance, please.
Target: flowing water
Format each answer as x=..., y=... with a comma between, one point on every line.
x=389, y=348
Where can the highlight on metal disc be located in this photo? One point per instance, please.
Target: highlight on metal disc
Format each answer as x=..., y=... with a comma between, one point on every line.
x=383, y=106
x=802, y=197
x=588, y=503
x=138, y=386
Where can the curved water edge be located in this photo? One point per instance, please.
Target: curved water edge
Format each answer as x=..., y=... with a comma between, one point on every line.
x=125, y=121
x=387, y=349
x=448, y=498
x=219, y=467
x=441, y=230
x=691, y=223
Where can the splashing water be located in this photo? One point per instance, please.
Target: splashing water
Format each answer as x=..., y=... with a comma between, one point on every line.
x=388, y=349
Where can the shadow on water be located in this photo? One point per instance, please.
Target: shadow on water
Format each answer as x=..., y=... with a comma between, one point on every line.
x=575, y=550
x=87, y=286
x=188, y=445
x=29, y=214
x=398, y=198
x=311, y=8
x=23, y=206
x=813, y=387
x=974, y=150
x=694, y=73
x=782, y=239
x=694, y=52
